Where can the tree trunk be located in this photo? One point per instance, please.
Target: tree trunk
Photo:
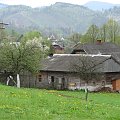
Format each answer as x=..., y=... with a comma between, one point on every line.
x=8, y=79
x=86, y=92
x=18, y=80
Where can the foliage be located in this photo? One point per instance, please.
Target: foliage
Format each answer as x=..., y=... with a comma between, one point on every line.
x=35, y=36
x=33, y=104
x=92, y=33
x=75, y=38
x=108, y=32
x=113, y=30
x=31, y=35
x=103, y=33
x=19, y=56
x=23, y=54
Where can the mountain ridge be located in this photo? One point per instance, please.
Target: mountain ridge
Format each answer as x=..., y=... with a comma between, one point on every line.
x=62, y=18
x=97, y=5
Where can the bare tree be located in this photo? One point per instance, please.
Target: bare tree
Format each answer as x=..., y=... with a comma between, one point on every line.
x=75, y=38
x=86, y=67
x=103, y=33
x=112, y=30
x=92, y=33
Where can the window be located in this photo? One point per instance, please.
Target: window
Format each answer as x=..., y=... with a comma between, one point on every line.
x=103, y=83
x=52, y=79
x=40, y=78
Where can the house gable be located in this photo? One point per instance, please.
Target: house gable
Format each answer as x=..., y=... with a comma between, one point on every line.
x=95, y=48
x=109, y=66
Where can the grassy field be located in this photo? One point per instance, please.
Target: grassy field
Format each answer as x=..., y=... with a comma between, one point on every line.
x=35, y=104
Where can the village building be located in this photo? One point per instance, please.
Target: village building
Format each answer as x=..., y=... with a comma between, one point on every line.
x=57, y=73
x=58, y=49
x=98, y=47
x=57, y=45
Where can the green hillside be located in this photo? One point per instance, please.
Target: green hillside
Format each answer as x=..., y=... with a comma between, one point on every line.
x=60, y=17
x=36, y=104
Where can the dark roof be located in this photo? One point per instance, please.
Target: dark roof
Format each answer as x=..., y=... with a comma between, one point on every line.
x=116, y=57
x=52, y=37
x=97, y=48
x=62, y=63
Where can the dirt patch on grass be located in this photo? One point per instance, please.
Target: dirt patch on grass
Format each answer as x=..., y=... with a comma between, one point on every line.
x=104, y=89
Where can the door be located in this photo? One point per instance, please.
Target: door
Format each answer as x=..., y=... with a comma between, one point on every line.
x=118, y=84
x=114, y=84
x=63, y=84
x=52, y=81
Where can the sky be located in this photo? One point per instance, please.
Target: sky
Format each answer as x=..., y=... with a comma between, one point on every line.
x=38, y=3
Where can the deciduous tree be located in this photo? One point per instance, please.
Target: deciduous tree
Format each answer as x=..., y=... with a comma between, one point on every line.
x=22, y=56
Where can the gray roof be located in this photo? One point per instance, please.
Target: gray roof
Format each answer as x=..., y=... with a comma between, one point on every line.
x=63, y=62
x=95, y=48
x=116, y=57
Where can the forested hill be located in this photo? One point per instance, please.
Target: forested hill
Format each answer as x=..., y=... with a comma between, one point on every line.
x=113, y=13
x=62, y=18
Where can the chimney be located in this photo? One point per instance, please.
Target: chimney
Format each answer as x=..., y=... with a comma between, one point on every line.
x=51, y=55
x=98, y=42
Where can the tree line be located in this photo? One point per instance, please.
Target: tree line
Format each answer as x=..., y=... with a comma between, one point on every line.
x=108, y=32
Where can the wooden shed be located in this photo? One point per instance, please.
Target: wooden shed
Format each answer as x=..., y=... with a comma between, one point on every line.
x=116, y=84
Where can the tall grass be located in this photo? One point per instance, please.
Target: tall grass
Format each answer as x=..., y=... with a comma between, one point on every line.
x=36, y=104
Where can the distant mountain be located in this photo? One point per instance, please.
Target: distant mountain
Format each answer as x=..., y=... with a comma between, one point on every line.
x=59, y=18
x=96, y=5
x=3, y=5
x=113, y=13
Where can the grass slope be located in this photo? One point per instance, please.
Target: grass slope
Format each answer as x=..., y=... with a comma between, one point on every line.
x=35, y=104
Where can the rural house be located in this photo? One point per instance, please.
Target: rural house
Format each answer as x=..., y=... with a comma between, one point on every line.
x=58, y=49
x=57, y=45
x=98, y=47
x=57, y=72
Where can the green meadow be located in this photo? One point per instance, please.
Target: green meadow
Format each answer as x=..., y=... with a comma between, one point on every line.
x=37, y=104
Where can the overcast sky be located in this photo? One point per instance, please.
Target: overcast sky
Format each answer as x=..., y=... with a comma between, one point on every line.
x=38, y=3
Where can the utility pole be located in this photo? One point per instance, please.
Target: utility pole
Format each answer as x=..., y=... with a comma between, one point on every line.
x=2, y=27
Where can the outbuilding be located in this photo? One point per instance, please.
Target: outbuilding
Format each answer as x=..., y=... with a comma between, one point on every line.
x=116, y=84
